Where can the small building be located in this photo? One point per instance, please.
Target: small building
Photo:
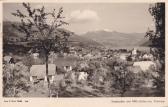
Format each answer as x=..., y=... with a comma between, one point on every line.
x=134, y=52
x=145, y=65
x=6, y=59
x=124, y=56
x=148, y=57
x=38, y=72
x=82, y=76
x=66, y=63
x=88, y=56
x=35, y=55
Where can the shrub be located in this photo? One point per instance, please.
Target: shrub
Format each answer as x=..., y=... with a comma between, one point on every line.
x=121, y=77
x=15, y=80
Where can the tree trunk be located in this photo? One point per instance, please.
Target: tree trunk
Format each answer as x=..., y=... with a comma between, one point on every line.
x=47, y=68
x=48, y=81
x=14, y=85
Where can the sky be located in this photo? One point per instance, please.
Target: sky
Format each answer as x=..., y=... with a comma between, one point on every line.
x=84, y=17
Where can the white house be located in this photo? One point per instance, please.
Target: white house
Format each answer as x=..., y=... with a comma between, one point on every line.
x=134, y=52
x=35, y=55
x=144, y=65
x=7, y=59
x=82, y=76
x=38, y=72
x=148, y=57
x=123, y=56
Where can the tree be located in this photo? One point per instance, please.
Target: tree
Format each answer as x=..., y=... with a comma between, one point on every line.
x=158, y=42
x=122, y=78
x=34, y=24
x=157, y=36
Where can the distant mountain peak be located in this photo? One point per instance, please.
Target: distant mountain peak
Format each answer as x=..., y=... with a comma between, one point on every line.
x=115, y=38
x=98, y=30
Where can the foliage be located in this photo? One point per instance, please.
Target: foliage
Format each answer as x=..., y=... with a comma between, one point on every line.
x=158, y=36
x=158, y=41
x=121, y=77
x=158, y=75
x=15, y=80
x=36, y=27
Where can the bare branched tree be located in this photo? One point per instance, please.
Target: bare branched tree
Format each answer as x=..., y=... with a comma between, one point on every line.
x=34, y=23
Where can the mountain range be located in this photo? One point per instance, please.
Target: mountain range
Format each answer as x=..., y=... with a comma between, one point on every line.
x=117, y=39
x=98, y=38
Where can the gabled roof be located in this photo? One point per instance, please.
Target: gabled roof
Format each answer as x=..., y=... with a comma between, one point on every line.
x=40, y=70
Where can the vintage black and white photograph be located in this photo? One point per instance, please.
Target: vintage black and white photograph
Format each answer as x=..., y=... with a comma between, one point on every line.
x=87, y=50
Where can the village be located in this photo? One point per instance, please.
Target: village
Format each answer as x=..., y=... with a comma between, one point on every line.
x=80, y=68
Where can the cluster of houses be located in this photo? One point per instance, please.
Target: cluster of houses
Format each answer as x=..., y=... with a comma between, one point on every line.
x=66, y=63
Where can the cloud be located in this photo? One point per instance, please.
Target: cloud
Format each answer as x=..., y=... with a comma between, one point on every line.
x=40, y=5
x=84, y=16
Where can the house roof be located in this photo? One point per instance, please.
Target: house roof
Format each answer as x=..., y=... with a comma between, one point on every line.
x=40, y=70
x=7, y=58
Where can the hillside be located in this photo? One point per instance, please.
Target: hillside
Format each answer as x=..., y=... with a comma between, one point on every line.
x=117, y=39
x=147, y=43
x=9, y=31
